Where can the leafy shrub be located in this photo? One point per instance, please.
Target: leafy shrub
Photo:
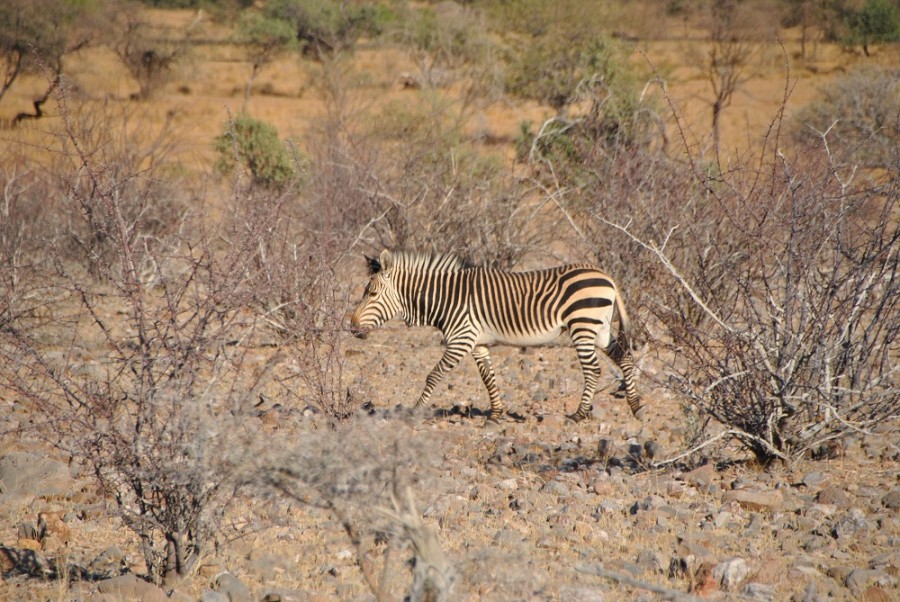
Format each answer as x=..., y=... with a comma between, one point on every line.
x=878, y=21
x=255, y=146
x=328, y=26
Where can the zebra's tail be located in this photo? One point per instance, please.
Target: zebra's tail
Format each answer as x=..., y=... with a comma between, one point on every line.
x=623, y=337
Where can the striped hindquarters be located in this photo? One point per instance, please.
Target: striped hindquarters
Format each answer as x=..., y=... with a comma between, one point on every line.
x=530, y=308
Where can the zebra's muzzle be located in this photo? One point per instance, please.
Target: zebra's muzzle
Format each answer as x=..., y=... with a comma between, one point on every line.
x=357, y=331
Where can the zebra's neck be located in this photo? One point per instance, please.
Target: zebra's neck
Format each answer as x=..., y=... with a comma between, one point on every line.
x=425, y=296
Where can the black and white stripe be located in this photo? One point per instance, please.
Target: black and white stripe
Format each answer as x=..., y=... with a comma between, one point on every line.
x=475, y=307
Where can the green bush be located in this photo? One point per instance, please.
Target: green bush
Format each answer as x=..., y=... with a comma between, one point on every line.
x=325, y=26
x=878, y=21
x=254, y=145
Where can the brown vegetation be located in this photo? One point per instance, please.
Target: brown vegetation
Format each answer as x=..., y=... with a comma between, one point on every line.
x=182, y=221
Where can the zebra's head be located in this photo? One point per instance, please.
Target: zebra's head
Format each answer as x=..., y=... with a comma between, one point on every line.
x=380, y=301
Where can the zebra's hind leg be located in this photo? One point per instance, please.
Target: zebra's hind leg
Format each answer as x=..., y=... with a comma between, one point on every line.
x=483, y=360
x=625, y=361
x=590, y=368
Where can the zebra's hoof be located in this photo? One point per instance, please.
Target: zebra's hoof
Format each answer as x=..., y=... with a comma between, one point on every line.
x=492, y=422
x=576, y=417
x=640, y=413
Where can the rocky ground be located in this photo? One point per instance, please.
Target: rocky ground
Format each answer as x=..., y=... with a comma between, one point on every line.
x=534, y=509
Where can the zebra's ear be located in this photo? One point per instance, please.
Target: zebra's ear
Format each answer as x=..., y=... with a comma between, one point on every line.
x=386, y=259
x=374, y=265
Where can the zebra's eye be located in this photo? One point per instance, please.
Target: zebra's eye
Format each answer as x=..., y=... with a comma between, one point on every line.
x=373, y=294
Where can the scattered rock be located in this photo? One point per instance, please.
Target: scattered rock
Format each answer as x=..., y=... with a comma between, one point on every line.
x=859, y=580
x=731, y=573
x=556, y=488
x=231, y=586
x=25, y=476
x=814, y=479
x=853, y=524
x=759, y=591
x=652, y=561
x=703, y=475
x=876, y=593
x=834, y=496
x=51, y=524
x=287, y=595
x=653, y=450
x=755, y=499
x=109, y=563
x=508, y=485
x=606, y=449
x=211, y=569
x=891, y=499
x=581, y=594
x=839, y=573
x=129, y=587
x=24, y=561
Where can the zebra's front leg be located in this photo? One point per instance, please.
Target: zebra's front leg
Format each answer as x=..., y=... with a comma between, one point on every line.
x=454, y=352
x=483, y=359
x=590, y=368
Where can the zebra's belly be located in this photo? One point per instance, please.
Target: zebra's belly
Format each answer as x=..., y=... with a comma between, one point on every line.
x=491, y=337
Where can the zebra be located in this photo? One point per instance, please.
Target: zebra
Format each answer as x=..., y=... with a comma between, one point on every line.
x=474, y=307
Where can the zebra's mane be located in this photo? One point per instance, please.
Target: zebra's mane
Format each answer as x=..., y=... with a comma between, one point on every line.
x=429, y=262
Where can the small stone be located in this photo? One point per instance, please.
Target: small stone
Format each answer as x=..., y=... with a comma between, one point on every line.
x=28, y=544
x=834, y=496
x=653, y=449
x=228, y=584
x=508, y=485
x=759, y=591
x=211, y=596
x=27, y=530
x=730, y=573
x=652, y=561
x=839, y=573
x=752, y=499
x=556, y=488
x=876, y=593
x=722, y=519
x=210, y=569
x=109, y=563
x=605, y=449
x=581, y=594
x=677, y=489
x=852, y=525
x=814, y=479
x=891, y=499
x=703, y=475
x=859, y=580
x=288, y=595
x=52, y=524
x=129, y=587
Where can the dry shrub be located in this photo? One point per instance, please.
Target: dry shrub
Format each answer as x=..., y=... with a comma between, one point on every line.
x=771, y=280
x=794, y=347
x=860, y=113
x=139, y=378
x=23, y=211
x=411, y=180
x=359, y=472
